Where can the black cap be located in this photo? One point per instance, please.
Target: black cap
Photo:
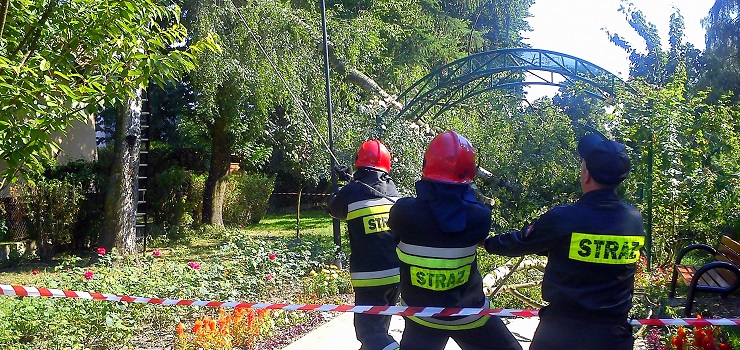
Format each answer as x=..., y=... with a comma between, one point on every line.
x=606, y=160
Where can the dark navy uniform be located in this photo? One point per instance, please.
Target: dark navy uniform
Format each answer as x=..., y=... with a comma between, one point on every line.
x=373, y=261
x=592, y=247
x=438, y=234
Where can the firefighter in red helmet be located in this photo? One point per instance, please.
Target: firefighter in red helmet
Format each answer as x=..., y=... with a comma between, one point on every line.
x=437, y=234
x=364, y=202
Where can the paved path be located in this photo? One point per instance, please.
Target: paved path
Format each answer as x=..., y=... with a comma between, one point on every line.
x=339, y=334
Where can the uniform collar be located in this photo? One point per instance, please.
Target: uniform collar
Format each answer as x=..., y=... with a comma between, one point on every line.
x=599, y=195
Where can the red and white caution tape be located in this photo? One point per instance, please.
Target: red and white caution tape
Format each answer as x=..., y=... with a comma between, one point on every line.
x=374, y=310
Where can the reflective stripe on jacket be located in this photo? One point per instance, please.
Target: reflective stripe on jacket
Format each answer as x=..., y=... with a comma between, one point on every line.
x=438, y=268
x=373, y=261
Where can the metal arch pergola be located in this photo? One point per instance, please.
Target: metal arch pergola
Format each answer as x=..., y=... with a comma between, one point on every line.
x=453, y=83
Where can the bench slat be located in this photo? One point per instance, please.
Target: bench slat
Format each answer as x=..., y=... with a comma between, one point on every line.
x=713, y=278
x=731, y=244
x=717, y=280
x=687, y=272
x=728, y=255
x=727, y=275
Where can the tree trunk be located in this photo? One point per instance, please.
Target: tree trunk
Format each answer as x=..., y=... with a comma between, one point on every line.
x=119, y=218
x=215, y=186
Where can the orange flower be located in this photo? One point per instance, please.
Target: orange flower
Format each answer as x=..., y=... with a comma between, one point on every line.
x=197, y=326
x=180, y=329
x=211, y=324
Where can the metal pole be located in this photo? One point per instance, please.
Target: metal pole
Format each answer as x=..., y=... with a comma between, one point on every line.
x=649, y=235
x=335, y=222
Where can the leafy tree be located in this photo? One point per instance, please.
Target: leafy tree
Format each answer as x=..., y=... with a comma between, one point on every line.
x=64, y=59
x=658, y=65
x=694, y=148
x=722, y=56
x=238, y=90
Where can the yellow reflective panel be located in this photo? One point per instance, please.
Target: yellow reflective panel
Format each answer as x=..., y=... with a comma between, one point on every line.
x=605, y=249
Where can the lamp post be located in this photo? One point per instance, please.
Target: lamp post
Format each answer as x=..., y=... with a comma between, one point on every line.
x=335, y=222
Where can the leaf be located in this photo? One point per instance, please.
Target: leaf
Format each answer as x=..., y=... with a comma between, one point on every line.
x=44, y=65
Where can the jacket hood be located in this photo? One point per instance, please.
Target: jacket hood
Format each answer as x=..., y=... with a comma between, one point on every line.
x=448, y=203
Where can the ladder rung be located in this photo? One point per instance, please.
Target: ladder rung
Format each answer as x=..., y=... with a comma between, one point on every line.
x=142, y=177
x=143, y=164
x=141, y=202
x=144, y=152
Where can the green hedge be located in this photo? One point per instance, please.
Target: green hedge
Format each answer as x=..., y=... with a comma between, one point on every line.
x=246, y=198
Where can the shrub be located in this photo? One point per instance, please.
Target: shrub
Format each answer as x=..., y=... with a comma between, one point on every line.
x=3, y=225
x=92, y=180
x=327, y=282
x=246, y=198
x=52, y=206
x=175, y=199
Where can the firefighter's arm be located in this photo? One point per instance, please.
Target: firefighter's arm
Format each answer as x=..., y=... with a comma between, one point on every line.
x=337, y=205
x=535, y=238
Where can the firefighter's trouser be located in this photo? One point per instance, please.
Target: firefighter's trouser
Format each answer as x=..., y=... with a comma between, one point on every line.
x=557, y=332
x=491, y=335
x=372, y=330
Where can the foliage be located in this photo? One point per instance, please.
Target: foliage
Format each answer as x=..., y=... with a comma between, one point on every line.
x=235, y=268
x=246, y=198
x=694, y=149
x=326, y=282
x=702, y=338
x=91, y=179
x=651, y=288
x=657, y=66
x=175, y=199
x=3, y=225
x=52, y=207
x=244, y=328
x=722, y=57
x=64, y=59
x=489, y=262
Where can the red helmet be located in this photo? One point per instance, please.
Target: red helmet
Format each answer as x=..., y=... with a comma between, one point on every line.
x=449, y=158
x=373, y=154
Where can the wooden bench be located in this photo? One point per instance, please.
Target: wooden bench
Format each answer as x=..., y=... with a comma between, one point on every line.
x=721, y=276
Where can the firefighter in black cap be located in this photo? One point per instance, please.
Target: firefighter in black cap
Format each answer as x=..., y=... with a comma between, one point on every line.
x=365, y=202
x=438, y=233
x=592, y=247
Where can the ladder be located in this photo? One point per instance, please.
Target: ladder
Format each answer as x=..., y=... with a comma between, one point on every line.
x=142, y=218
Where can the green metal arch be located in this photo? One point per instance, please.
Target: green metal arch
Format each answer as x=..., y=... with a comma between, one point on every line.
x=457, y=81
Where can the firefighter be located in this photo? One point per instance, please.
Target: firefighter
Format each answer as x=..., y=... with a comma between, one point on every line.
x=364, y=202
x=438, y=232
x=592, y=247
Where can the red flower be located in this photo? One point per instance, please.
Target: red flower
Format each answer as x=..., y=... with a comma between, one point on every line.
x=89, y=275
x=35, y=272
x=272, y=256
x=101, y=250
x=194, y=265
x=725, y=346
x=270, y=277
x=157, y=253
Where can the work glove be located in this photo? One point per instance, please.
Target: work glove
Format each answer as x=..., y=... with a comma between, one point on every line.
x=343, y=172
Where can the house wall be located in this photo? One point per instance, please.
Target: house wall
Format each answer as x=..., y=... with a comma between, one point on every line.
x=79, y=143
